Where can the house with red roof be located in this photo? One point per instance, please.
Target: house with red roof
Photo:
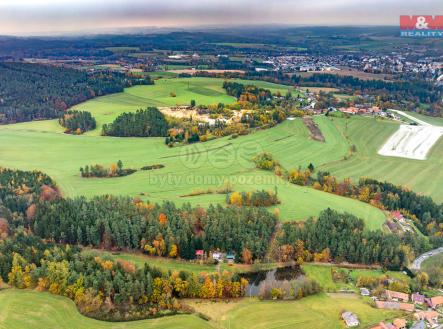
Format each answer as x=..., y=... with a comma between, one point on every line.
x=396, y=296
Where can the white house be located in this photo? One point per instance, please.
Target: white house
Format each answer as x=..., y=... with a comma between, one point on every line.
x=350, y=319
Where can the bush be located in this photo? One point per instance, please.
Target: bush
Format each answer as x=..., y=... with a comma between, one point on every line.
x=265, y=161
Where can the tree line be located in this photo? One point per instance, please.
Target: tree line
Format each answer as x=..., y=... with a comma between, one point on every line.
x=115, y=170
x=161, y=230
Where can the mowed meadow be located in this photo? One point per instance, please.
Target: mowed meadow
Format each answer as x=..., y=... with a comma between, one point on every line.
x=322, y=311
x=193, y=173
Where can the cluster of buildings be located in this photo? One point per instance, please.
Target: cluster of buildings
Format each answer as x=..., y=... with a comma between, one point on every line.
x=396, y=324
x=398, y=63
x=398, y=223
x=426, y=313
x=301, y=63
x=388, y=64
x=363, y=109
x=373, y=110
x=216, y=256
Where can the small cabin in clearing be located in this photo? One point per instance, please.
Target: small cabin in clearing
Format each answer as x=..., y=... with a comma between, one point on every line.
x=230, y=258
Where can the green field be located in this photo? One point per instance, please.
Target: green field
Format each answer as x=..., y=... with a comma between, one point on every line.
x=201, y=167
x=38, y=145
x=369, y=135
x=315, y=312
x=18, y=311
x=168, y=264
x=432, y=120
x=431, y=262
x=24, y=309
x=322, y=274
x=204, y=91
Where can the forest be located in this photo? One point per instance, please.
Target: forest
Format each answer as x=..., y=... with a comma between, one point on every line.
x=42, y=235
x=103, y=288
x=77, y=122
x=35, y=92
x=248, y=93
x=142, y=123
x=343, y=237
x=167, y=230
x=414, y=90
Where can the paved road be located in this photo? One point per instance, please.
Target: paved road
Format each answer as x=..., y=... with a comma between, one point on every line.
x=420, y=122
x=416, y=264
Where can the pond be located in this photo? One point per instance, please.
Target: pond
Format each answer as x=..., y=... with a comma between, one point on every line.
x=258, y=280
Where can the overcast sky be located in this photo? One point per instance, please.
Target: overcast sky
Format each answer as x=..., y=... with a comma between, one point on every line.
x=55, y=16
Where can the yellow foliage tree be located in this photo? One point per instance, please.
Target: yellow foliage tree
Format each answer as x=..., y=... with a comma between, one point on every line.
x=236, y=199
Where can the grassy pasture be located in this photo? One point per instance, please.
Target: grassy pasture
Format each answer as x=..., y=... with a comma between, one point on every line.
x=432, y=120
x=368, y=135
x=432, y=262
x=23, y=309
x=41, y=145
x=203, y=90
x=169, y=264
x=319, y=89
x=315, y=312
x=322, y=274
x=197, y=167
x=322, y=311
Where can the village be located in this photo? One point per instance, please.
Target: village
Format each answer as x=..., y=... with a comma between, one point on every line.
x=424, y=312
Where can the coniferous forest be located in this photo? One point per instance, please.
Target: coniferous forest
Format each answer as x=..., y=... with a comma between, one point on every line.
x=34, y=92
x=143, y=123
x=77, y=122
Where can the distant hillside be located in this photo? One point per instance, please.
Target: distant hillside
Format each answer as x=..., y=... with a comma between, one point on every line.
x=32, y=92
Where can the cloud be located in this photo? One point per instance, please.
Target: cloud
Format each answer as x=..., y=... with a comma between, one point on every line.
x=75, y=15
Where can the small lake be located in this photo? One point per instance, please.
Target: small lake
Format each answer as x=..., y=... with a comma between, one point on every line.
x=259, y=279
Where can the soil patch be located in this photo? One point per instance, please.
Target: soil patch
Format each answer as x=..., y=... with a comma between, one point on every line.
x=314, y=130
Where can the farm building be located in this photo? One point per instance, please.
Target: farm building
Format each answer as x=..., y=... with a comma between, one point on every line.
x=199, y=254
x=350, y=319
x=348, y=110
x=399, y=323
x=431, y=317
x=434, y=302
x=417, y=298
x=365, y=292
x=218, y=256
x=230, y=258
x=419, y=325
x=396, y=296
x=398, y=216
x=383, y=325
